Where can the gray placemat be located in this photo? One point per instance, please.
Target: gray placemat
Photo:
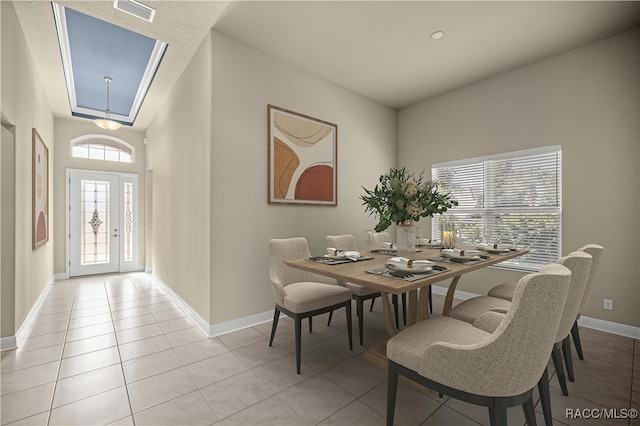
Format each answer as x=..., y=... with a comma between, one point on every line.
x=387, y=272
x=329, y=261
x=450, y=260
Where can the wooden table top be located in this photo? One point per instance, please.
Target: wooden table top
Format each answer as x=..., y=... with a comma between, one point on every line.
x=355, y=272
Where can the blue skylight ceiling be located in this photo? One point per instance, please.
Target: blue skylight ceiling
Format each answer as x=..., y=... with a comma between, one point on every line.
x=92, y=49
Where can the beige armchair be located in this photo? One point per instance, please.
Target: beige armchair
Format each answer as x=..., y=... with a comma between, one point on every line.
x=359, y=293
x=579, y=263
x=300, y=294
x=495, y=370
x=505, y=291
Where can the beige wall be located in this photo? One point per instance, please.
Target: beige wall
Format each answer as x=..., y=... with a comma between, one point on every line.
x=178, y=153
x=245, y=81
x=65, y=131
x=24, y=105
x=586, y=100
x=211, y=220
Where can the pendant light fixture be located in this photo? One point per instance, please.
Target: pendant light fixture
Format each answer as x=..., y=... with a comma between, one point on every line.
x=107, y=123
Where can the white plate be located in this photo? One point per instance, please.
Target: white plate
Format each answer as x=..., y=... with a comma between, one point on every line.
x=458, y=257
x=490, y=248
x=328, y=256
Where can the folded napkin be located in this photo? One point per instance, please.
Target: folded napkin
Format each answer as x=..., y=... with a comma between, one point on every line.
x=485, y=246
x=460, y=253
x=403, y=262
x=353, y=255
x=427, y=241
x=388, y=246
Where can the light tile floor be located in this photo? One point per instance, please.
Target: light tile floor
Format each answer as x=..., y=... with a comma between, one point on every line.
x=118, y=350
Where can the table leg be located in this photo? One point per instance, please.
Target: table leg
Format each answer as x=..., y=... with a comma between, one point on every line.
x=388, y=316
x=423, y=304
x=413, y=307
x=448, y=300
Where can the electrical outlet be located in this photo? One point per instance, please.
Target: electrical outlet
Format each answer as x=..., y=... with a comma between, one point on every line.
x=608, y=304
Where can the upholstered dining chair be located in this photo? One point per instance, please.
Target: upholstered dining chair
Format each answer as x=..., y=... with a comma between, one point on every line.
x=300, y=294
x=496, y=370
x=359, y=293
x=579, y=263
x=505, y=291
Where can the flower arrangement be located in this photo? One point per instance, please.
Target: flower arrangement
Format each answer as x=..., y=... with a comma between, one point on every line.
x=401, y=197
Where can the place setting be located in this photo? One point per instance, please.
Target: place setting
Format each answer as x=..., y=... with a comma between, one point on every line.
x=407, y=269
x=466, y=256
x=335, y=257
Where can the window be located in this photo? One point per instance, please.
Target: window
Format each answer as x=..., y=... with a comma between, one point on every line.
x=517, y=195
x=102, y=147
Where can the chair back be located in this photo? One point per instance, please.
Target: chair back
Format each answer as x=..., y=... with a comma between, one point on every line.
x=282, y=275
x=342, y=242
x=579, y=263
x=595, y=251
x=511, y=360
x=381, y=237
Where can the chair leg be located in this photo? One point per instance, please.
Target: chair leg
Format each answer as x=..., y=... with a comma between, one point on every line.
x=310, y=324
x=394, y=300
x=359, y=313
x=392, y=389
x=557, y=363
x=330, y=316
x=404, y=308
x=568, y=361
x=372, y=302
x=276, y=317
x=298, y=331
x=430, y=300
x=529, y=413
x=575, y=333
x=498, y=412
x=545, y=397
x=349, y=328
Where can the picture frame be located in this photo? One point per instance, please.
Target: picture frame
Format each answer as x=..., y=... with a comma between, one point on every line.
x=303, y=159
x=40, y=190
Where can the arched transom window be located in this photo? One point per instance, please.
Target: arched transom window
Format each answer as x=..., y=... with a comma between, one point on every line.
x=102, y=147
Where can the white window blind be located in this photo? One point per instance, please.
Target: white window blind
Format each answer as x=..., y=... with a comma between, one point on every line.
x=517, y=195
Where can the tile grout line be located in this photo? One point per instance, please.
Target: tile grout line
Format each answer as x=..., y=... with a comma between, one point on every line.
x=64, y=344
x=115, y=334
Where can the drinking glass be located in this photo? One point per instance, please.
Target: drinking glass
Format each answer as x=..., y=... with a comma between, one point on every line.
x=369, y=240
x=486, y=234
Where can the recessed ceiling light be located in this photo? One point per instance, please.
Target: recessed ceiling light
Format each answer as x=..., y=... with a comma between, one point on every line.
x=437, y=35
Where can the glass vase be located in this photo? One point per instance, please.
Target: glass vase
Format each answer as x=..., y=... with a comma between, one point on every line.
x=448, y=234
x=406, y=239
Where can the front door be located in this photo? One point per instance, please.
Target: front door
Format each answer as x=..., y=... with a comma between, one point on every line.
x=102, y=222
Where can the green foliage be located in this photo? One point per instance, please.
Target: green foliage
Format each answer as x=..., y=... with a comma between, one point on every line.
x=401, y=197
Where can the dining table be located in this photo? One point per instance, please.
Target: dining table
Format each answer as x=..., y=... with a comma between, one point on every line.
x=372, y=272
x=368, y=273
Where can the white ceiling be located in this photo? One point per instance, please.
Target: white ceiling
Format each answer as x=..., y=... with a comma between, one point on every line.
x=380, y=49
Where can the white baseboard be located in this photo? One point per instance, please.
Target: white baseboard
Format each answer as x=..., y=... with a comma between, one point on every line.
x=213, y=330
x=610, y=327
x=200, y=322
x=12, y=342
x=587, y=322
x=148, y=269
x=61, y=276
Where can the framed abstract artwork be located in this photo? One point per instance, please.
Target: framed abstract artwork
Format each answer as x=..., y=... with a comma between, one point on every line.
x=40, y=190
x=302, y=159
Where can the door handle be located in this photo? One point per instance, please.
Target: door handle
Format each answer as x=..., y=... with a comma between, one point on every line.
x=115, y=235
